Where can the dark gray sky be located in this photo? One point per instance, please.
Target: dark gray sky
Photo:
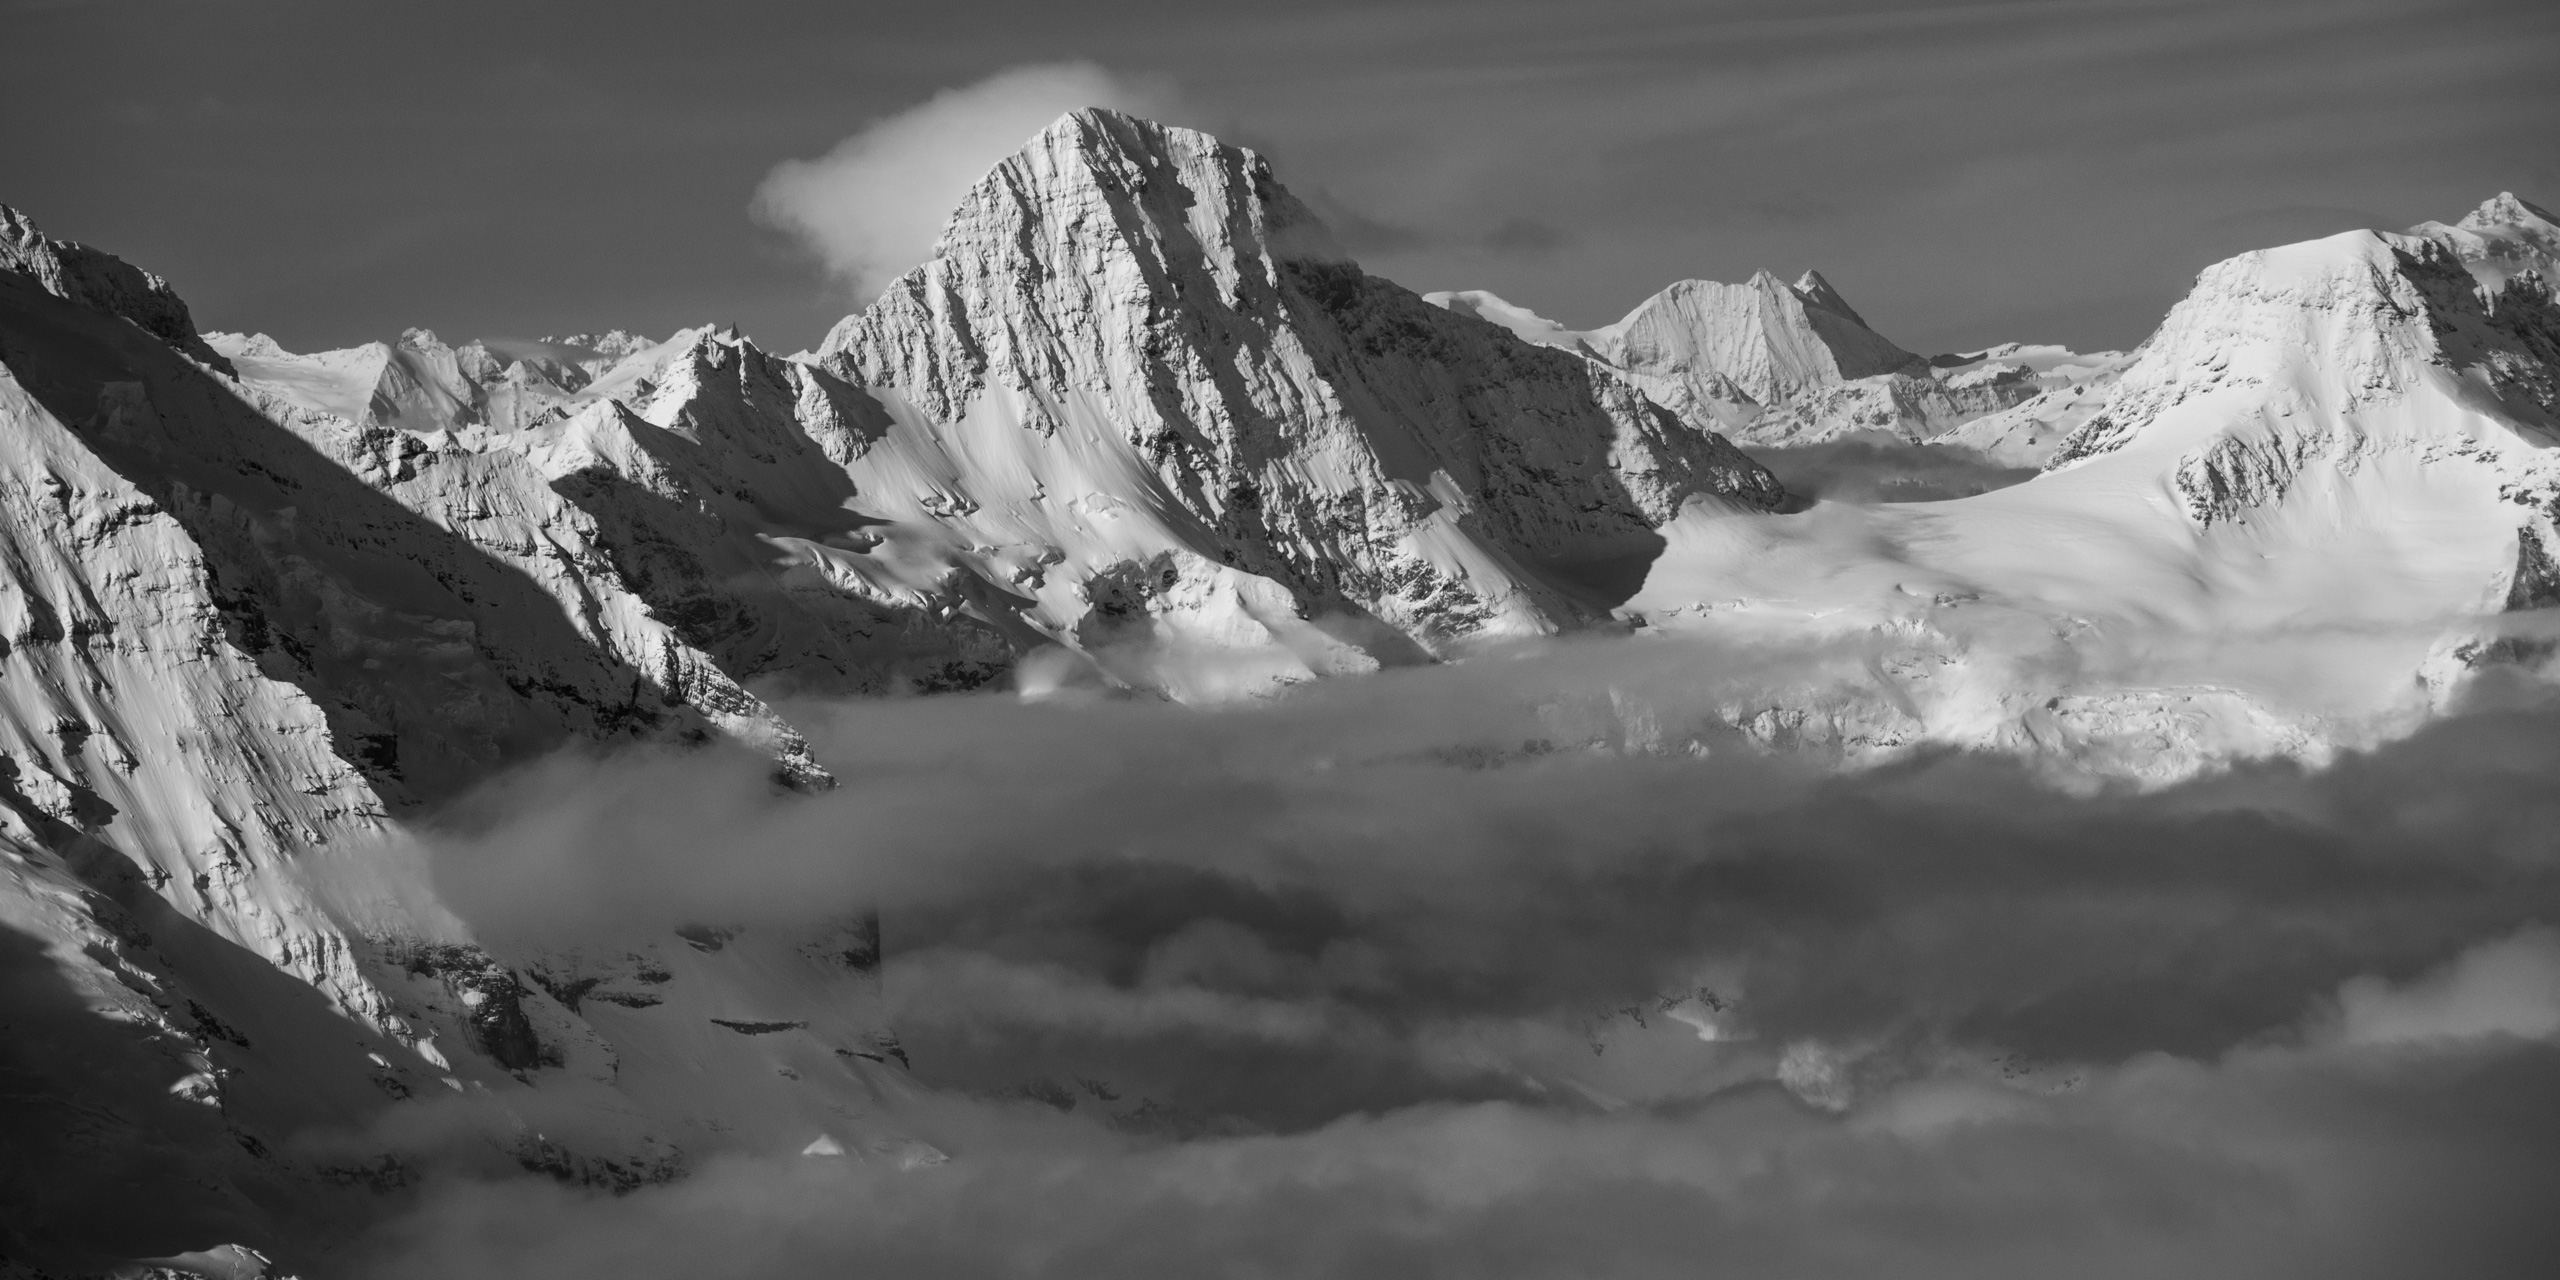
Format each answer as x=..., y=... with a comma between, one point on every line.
x=331, y=171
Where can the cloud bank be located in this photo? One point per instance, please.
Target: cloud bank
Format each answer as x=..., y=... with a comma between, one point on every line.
x=872, y=207
x=1456, y=971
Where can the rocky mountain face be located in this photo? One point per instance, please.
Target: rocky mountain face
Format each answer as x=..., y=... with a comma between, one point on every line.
x=2344, y=349
x=2506, y=237
x=243, y=638
x=101, y=282
x=1778, y=365
x=2325, y=376
x=1140, y=375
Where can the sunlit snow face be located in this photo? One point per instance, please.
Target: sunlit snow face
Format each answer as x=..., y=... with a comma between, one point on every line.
x=1455, y=972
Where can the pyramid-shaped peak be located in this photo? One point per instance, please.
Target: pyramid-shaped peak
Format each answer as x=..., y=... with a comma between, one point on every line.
x=1097, y=176
x=1817, y=292
x=2507, y=209
x=1094, y=138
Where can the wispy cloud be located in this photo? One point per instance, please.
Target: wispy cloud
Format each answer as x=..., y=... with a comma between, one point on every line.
x=872, y=207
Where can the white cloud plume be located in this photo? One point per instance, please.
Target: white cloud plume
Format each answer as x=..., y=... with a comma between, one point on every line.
x=872, y=207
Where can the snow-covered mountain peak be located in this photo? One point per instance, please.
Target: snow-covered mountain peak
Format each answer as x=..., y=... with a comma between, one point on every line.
x=2345, y=321
x=1142, y=320
x=2354, y=391
x=1817, y=292
x=2504, y=238
x=1774, y=340
x=2507, y=209
x=1780, y=365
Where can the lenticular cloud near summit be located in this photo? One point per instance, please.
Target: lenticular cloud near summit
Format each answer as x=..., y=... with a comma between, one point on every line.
x=1154, y=750
x=871, y=206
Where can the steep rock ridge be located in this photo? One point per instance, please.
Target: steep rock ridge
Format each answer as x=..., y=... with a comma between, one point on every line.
x=2327, y=367
x=2362, y=347
x=2504, y=238
x=101, y=282
x=1162, y=379
x=444, y=606
x=122, y=701
x=2343, y=347
x=1780, y=365
x=715, y=478
x=238, y=638
x=160, y=796
x=2512, y=249
x=721, y=487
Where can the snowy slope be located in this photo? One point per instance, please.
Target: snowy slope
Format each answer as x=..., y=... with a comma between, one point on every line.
x=2069, y=389
x=2290, y=522
x=235, y=651
x=1778, y=365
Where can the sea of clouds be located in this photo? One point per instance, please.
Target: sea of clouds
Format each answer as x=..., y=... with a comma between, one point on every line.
x=1468, y=971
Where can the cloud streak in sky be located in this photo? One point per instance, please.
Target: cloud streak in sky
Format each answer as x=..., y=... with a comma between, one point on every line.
x=871, y=208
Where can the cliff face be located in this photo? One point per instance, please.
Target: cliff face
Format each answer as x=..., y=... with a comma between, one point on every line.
x=1148, y=353
x=239, y=641
x=103, y=283
x=2320, y=356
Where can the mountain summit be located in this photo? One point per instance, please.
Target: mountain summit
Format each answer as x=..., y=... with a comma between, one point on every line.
x=1149, y=353
x=1785, y=365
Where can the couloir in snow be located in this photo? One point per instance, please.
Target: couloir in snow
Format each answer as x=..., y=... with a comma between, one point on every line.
x=1138, y=424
